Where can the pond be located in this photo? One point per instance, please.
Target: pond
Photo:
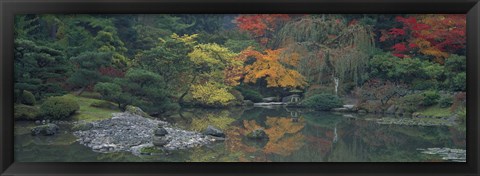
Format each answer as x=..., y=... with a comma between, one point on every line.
x=294, y=135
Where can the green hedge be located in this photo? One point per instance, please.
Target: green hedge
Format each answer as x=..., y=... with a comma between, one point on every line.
x=58, y=108
x=25, y=112
x=323, y=102
x=251, y=95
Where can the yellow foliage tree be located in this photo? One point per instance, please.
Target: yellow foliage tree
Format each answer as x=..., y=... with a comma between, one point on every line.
x=211, y=94
x=275, y=66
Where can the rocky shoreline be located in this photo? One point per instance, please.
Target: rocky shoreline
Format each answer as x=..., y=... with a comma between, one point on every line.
x=131, y=132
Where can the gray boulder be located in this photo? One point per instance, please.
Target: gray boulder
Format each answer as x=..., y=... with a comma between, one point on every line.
x=45, y=130
x=137, y=111
x=212, y=131
x=160, y=132
x=160, y=141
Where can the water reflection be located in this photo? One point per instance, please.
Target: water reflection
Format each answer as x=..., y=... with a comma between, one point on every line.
x=292, y=135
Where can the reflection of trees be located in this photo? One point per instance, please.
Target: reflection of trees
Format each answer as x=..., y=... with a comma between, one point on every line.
x=283, y=138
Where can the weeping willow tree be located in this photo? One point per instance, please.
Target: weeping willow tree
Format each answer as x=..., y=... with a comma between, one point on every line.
x=331, y=49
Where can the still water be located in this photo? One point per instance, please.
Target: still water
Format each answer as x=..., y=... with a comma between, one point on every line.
x=293, y=136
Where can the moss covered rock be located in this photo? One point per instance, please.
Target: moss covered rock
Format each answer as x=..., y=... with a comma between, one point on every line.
x=137, y=111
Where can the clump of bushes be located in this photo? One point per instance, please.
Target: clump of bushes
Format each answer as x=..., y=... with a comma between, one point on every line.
x=28, y=98
x=25, y=112
x=411, y=103
x=58, y=108
x=445, y=101
x=323, y=102
x=430, y=98
x=251, y=95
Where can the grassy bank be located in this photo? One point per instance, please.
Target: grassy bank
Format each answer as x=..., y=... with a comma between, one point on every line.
x=87, y=112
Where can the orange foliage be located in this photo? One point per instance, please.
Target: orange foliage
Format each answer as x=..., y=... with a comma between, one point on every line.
x=283, y=137
x=274, y=68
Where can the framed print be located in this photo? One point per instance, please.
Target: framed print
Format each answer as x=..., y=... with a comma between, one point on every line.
x=239, y=87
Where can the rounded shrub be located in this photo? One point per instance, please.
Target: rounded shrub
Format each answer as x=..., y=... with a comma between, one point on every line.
x=58, y=108
x=430, y=98
x=251, y=95
x=25, y=112
x=410, y=103
x=323, y=102
x=28, y=98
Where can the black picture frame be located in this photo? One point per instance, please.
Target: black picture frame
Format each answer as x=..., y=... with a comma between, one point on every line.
x=9, y=8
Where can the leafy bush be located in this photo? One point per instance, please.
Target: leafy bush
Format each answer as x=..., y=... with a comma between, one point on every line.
x=323, y=102
x=430, y=98
x=445, y=101
x=58, y=108
x=28, y=98
x=420, y=84
x=211, y=95
x=410, y=103
x=251, y=95
x=319, y=89
x=25, y=112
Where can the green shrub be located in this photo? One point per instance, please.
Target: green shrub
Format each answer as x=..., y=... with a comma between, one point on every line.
x=323, y=102
x=445, y=101
x=25, y=112
x=430, y=98
x=410, y=103
x=28, y=98
x=420, y=84
x=251, y=95
x=58, y=108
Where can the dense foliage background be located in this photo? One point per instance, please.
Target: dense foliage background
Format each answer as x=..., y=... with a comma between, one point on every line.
x=163, y=62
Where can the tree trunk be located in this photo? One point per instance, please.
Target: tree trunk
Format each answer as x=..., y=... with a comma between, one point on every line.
x=180, y=100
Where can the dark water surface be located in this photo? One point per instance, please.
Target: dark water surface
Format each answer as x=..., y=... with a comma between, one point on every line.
x=293, y=136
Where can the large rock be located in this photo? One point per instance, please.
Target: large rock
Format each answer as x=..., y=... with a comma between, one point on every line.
x=160, y=132
x=212, y=131
x=257, y=134
x=46, y=130
x=136, y=111
x=160, y=141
